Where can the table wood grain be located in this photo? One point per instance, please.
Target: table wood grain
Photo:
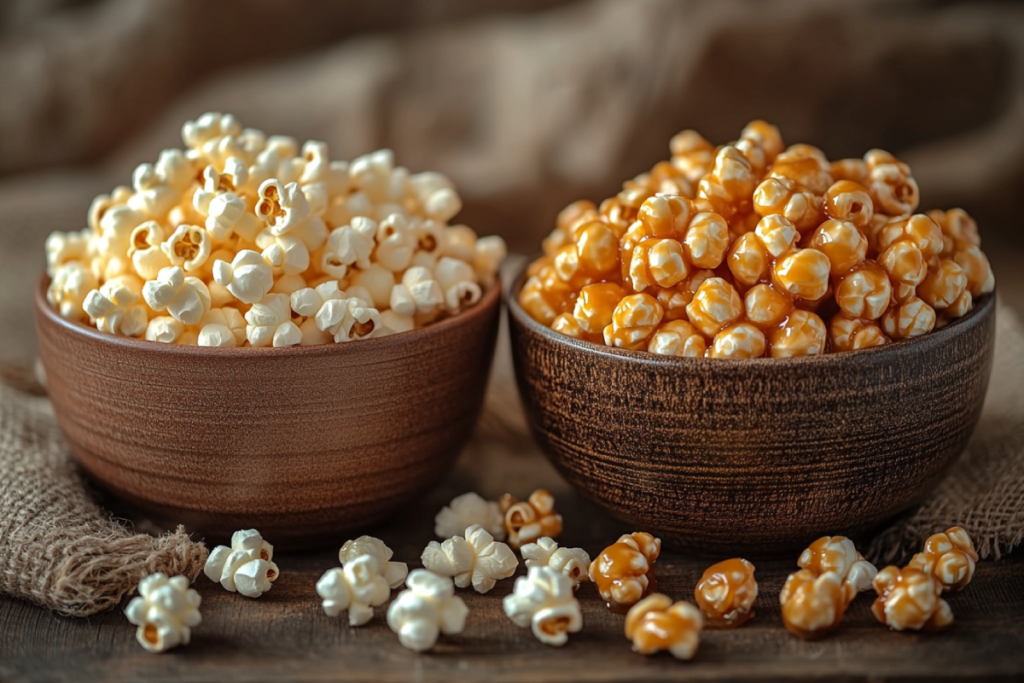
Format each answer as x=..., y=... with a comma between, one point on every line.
x=285, y=636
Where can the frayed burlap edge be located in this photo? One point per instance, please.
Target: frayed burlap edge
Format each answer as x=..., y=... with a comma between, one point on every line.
x=58, y=548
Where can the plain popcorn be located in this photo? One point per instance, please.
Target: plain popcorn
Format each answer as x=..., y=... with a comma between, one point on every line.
x=246, y=567
x=240, y=217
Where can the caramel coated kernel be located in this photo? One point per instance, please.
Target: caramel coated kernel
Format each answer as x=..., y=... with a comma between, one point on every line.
x=726, y=593
x=655, y=624
x=950, y=557
x=715, y=305
x=620, y=572
x=909, y=598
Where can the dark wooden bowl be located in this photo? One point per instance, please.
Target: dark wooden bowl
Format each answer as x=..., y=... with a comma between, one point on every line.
x=306, y=444
x=760, y=456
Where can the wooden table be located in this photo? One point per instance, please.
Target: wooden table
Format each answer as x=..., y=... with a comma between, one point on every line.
x=285, y=636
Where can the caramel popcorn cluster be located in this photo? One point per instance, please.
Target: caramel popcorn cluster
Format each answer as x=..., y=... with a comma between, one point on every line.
x=726, y=593
x=753, y=249
x=244, y=239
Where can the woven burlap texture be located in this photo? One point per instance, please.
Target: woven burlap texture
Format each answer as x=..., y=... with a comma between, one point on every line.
x=58, y=548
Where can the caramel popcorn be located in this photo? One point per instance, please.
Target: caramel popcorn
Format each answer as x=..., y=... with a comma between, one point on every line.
x=763, y=250
x=655, y=624
x=621, y=571
x=529, y=520
x=909, y=598
x=813, y=605
x=949, y=557
x=726, y=593
x=239, y=219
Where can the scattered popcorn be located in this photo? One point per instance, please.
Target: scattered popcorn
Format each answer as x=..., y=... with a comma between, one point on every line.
x=241, y=216
x=813, y=605
x=726, y=593
x=544, y=601
x=393, y=572
x=357, y=587
x=466, y=510
x=621, y=571
x=476, y=559
x=655, y=624
x=165, y=612
x=909, y=598
x=949, y=557
x=427, y=608
x=573, y=562
x=526, y=521
x=730, y=241
x=246, y=567
x=837, y=554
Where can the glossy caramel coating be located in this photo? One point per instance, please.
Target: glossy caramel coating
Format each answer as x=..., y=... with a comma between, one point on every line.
x=621, y=572
x=726, y=593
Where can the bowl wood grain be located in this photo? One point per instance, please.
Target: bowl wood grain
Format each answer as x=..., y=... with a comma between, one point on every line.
x=306, y=444
x=759, y=456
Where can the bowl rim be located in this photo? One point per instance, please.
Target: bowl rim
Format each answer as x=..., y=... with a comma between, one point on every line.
x=490, y=298
x=983, y=309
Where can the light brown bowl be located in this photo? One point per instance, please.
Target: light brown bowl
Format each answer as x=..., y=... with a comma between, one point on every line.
x=758, y=456
x=306, y=444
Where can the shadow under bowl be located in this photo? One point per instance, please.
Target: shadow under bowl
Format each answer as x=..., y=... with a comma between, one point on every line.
x=307, y=444
x=760, y=456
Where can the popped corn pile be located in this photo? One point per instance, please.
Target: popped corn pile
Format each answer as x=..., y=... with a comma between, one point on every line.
x=247, y=239
x=752, y=249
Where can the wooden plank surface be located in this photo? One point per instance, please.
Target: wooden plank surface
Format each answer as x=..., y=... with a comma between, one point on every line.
x=285, y=636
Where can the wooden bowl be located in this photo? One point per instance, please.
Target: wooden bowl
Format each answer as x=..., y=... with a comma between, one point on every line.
x=306, y=444
x=759, y=456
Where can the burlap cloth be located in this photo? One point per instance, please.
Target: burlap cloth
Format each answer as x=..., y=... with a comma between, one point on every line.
x=59, y=549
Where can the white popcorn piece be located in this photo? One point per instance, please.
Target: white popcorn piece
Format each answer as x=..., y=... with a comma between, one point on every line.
x=248, y=277
x=246, y=567
x=286, y=253
x=490, y=252
x=188, y=247
x=418, y=292
x=152, y=197
x=313, y=335
x=371, y=173
x=466, y=510
x=115, y=229
x=224, y=327
x=544, y=601
x=476, y=559
x=165, y=611
x=423, y=185
x=209, y=126
x=308, y=301
x=395, y=323
x=348, y=245
x=316, y=196
x=459, y=242
x=393, y=572
x=426, y=609
x=457, y=280
x=146, y=250
x=377, y=281
x=349, y=319
x=115, y=307
x=396, y=243
x=281, y=207
x=573, y=562
x=62, y=247
x=270, y=323
x=184, y=298
x=442, y=204
x=357, y=587
x=288, y=284
x=175, y=169
x=164, y=329
x=72, y=281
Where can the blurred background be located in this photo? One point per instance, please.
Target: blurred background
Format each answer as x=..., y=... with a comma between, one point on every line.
x=526, y=104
